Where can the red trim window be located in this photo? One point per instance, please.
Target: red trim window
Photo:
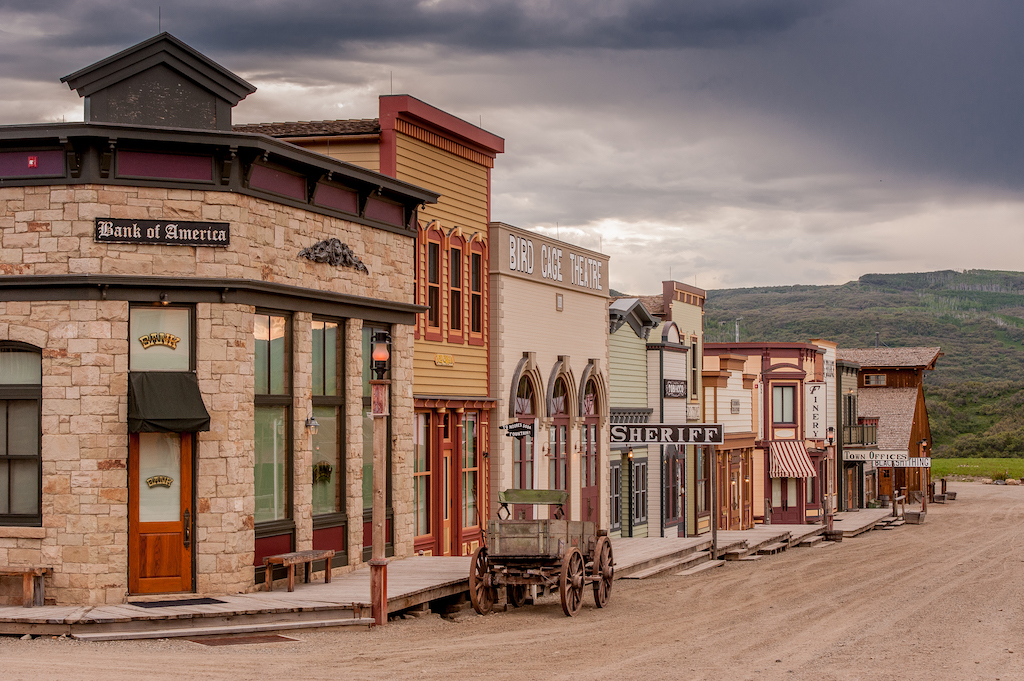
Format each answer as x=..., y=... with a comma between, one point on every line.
x=433, y=275
x=477, y=292
x=456, y=294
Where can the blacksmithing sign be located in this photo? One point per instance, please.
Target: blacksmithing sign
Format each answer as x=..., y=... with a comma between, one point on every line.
x=667, y=434
x=174, y=233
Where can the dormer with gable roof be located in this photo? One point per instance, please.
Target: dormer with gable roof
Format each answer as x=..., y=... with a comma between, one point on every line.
x=162, y=82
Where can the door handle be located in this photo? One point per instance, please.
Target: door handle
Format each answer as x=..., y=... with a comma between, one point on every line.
x=187, y=534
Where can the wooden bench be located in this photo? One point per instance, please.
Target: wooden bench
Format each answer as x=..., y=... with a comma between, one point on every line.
x=32, y=588
x=290, y=560
x=546, y=497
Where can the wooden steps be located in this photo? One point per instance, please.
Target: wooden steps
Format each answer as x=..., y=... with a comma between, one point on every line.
x=772, y=549
x=129, y=633
x=811, y=541
x=688, y=561
x=706, y=565
x=641, y=554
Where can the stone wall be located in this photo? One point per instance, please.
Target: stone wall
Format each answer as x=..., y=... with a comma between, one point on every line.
x=49, y=231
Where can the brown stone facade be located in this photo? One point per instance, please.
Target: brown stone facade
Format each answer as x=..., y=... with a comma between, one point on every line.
x=48, y=230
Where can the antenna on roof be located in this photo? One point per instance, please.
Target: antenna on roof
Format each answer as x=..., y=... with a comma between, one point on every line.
x=392, y=82
x=876, y=339
x=159, y=19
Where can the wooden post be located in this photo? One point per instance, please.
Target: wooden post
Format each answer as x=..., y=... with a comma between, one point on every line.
x=378, y=564
x=714, y=503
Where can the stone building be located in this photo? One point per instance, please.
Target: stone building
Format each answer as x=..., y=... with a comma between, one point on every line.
x=179, y=302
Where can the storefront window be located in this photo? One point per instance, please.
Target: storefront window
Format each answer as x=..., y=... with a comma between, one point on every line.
x=470, y=470
x=20, y=465
x=272, y=475
x=640, y=491
x=328, y=464
x=703, y=480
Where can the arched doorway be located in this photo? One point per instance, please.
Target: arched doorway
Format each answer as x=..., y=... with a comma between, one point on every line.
x=590, y=448
x=558, y=439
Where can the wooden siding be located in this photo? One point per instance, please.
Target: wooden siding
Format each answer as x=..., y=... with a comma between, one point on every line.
x=462, y=183
x=467, y=377
x=365, y=154
x=627, y=368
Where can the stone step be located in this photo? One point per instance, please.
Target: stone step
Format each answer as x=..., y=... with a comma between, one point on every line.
x=684, y=562
x=752, y=557
x=180, y=632
x=707, y=565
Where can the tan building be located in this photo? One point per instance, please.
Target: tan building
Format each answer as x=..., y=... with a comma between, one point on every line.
x=549, y=370
x=418, y=143
x=178, y=303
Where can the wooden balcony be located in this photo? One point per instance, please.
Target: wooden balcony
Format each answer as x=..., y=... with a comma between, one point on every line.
x=866, y=434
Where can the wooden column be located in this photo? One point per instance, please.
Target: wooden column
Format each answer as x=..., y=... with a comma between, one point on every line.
x=378, y=563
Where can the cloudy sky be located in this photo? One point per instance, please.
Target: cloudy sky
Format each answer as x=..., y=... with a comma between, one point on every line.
x=725, y=142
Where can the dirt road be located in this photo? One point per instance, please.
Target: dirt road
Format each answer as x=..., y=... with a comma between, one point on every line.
x=938, y=601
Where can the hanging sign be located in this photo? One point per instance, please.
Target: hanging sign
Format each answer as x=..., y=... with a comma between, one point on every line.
x=667, y=434
x=814, y=410
x=175, y=233
x=674, y=388
x=517, y=429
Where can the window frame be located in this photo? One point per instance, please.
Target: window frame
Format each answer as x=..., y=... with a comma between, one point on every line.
x=430, y=237
x=639, y=491
x=426, y=473
x=779, y=405
x=456, y=288
x=25, y=392
x=702, y=481
x=477, y=285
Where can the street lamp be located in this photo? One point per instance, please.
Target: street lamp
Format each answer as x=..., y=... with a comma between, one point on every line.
x=379, y=401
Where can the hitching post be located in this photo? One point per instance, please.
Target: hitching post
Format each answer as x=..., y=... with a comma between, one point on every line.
x=714, y=504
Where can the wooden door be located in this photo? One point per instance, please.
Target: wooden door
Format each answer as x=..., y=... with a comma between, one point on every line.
x=447, y=497
x=747, y=472
x=850, y=487
x=590, y=500
x=786, y=508
x=735, y=494
x=160, y=514
x=885, y=482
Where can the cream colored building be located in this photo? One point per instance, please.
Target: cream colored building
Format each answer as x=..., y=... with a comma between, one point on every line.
x=549, y=369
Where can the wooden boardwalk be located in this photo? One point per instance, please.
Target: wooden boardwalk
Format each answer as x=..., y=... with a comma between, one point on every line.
x=639, y=555
x=411, y=581
x=852, y=523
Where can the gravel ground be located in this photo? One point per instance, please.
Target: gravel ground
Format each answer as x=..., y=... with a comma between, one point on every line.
x=941, y=600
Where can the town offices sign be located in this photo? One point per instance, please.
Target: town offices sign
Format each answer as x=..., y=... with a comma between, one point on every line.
x=173, y=233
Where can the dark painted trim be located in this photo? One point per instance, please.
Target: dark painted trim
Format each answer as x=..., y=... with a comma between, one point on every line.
x=263, y=294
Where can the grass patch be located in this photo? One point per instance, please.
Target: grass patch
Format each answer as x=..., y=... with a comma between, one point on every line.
x=979, y=468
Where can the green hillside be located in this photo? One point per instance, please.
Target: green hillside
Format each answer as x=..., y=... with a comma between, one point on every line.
x=977, y=318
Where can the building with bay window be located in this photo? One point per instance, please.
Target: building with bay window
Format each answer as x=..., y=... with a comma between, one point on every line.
x=416, y=142
x=186, y=314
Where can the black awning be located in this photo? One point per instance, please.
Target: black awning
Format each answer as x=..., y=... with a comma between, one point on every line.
x=165, y=402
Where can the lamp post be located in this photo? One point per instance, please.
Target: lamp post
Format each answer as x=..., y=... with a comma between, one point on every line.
x=830, y=433
x=379, y=401
x=921, y=445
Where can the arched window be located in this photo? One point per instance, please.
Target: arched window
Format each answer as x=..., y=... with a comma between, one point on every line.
x=522, y=447
x=560, y=398
x=21, y=383
x=590, y=453
x=559, y=435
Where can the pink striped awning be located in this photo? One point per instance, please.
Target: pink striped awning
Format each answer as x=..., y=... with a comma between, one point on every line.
x=790, y=460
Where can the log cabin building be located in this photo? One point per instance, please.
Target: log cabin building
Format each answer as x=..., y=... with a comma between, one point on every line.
x=186, y=313
x=418, y=143
x=890, y=398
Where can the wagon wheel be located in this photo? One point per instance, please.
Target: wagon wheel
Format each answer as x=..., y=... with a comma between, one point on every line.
x=516, y=595
x=481, y=593
x=570, y=582
x=604, y=571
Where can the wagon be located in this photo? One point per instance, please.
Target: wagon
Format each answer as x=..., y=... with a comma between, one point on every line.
x=519, y=553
